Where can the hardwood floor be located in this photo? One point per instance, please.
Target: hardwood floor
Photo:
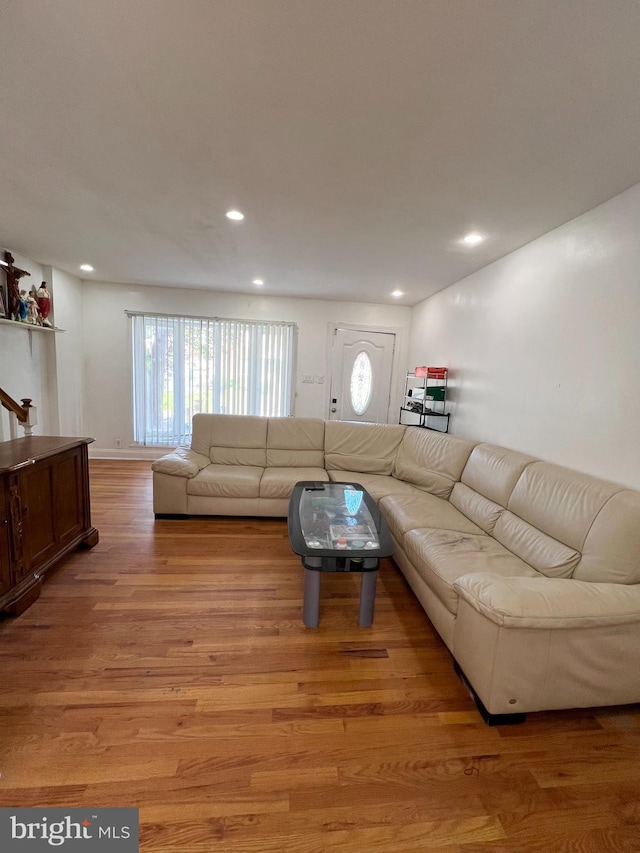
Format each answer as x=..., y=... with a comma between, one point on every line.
x=168, y=668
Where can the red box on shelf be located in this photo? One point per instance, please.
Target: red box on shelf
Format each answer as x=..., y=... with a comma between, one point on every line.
x=431, y=372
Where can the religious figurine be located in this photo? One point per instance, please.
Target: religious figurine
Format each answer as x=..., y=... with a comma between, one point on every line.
x=23, y=307
x=33, y=313
x=13, y=289
x=44, y=304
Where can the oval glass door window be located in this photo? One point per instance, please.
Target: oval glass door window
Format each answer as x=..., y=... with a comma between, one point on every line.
x=361, y=383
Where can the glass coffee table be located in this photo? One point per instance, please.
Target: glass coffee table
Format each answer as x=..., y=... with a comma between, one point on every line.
x=337, y=527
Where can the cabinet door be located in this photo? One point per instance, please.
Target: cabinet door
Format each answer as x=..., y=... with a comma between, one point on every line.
x=5, y=574
x=70, y=499
x=54, y=491
x=37, y=488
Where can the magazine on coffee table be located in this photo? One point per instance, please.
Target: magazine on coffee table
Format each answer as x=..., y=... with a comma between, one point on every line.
x=352, y=533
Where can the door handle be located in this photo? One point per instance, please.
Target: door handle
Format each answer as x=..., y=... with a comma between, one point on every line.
x=334, y=410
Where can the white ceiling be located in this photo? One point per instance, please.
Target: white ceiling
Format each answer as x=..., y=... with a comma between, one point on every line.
x=361, y=138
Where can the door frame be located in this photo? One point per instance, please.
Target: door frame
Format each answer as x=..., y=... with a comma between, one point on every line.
x=399, y=358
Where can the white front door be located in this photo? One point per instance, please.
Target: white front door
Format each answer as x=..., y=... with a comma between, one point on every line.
x=361, y=373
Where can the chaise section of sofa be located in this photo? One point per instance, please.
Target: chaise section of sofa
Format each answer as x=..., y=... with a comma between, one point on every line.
x=517, y=532
x=533, y=644
x=569, y=635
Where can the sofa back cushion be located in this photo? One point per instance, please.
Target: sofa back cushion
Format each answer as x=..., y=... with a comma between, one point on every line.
x=368, y=448
x=611, y=551
x=493, y=471
x=476, y=507
x=295, y=443
x=201, y=426
x=551, y=512
x=430, y=460
x=231, y=439
x=543, y=553
x=486, y=483
x=560, y=502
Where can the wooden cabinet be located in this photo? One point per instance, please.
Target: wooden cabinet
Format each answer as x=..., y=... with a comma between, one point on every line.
x=44, y=512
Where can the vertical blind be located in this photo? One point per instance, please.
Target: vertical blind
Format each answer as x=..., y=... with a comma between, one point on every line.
x=186, y=365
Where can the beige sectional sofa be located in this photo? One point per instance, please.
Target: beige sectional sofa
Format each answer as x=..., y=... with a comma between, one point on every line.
x=530, y=572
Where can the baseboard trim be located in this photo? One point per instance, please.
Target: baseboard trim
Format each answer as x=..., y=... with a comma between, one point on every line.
x=139, y=453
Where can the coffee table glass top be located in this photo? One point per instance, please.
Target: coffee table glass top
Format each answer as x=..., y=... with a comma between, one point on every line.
x=334, y=518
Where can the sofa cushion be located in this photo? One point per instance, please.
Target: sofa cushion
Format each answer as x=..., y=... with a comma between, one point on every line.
x=493, y=471
x=431, y=460
x=279, y=482
x=295, y=442
x=405, y=512
x=238, y=440
x=226, y=481
x=560, y=502
x=544, y=553
x=182, y=462
x=611, y=552
x=201, y=428
x=476, y=507
x=518, y=602
x=368, y=448
x=378, y=485
x=441, y=557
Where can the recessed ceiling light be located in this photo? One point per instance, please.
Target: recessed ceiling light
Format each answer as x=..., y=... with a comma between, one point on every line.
x=258, y=281
x=86, y=267
x=235, y=215
x=397, y=293
x=473, y=239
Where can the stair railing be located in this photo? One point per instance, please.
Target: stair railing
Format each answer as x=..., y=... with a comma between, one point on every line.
x=23, y=413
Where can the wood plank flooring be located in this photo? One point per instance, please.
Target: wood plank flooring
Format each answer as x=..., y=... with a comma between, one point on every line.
x=168, y=668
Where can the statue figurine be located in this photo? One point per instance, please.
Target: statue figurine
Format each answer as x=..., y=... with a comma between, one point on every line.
x=33, y=313
x=44, y=304
x=23, y=307
x=13, y=289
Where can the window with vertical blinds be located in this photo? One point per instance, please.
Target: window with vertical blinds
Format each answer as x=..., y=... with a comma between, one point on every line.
x=186, y=365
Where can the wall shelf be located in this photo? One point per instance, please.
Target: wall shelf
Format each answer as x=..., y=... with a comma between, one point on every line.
x=30, y=327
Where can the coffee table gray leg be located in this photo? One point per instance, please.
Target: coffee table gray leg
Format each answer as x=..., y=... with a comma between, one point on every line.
x=367, y=599
x=311, y=601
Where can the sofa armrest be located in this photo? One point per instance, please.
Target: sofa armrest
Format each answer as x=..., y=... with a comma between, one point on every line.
x=182, y=462
x=543, y=602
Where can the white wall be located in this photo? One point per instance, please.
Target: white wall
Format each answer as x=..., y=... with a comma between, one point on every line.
x=544, y=345
x=66, y=291
x=107, y=402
